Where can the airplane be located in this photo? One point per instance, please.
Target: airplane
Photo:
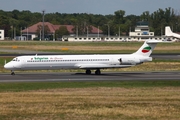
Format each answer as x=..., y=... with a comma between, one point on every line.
x=169, y=33
x=86, y=62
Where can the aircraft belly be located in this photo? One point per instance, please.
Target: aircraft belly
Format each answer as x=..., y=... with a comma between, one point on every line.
x=49, y=66
x=68, y=65
x=101, y=66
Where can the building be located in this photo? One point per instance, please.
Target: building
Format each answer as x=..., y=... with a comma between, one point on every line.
x=141, y=32
x=32, y=32
x=1, y=34
x=21, y=38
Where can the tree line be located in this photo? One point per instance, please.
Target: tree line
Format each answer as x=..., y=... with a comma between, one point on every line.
x=116, y=22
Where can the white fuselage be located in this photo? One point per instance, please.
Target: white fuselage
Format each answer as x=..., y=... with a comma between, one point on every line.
x=52, y=62
x=87, y=62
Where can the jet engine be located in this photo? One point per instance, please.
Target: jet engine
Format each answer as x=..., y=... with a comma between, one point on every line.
x=129, y=61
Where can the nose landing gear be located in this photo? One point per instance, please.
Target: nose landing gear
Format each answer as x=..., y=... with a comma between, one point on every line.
x=12, y=72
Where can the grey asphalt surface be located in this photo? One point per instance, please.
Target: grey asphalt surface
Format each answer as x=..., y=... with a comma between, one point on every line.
x=105, y=76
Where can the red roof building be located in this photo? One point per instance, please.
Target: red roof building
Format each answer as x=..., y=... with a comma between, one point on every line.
x=31, y=31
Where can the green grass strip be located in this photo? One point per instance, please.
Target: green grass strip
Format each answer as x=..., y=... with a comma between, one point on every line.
x=18, y=87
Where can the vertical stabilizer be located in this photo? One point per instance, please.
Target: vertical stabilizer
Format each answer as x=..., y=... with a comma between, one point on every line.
x=147, y=48
x=168, y=31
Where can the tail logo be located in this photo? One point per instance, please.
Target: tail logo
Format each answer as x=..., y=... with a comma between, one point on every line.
x=146, y=49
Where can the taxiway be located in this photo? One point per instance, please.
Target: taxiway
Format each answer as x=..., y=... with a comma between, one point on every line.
x=106, y=76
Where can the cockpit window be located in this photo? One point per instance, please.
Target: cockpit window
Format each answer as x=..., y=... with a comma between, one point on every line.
x=15, y=59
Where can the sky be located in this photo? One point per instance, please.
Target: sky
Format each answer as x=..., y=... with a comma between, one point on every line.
x=104, y=7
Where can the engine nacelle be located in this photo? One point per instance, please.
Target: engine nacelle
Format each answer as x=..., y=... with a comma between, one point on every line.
x=129, y=61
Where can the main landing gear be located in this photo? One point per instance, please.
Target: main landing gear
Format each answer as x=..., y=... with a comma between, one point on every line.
x=88, y=72
x=97, y=72
x=12, y=72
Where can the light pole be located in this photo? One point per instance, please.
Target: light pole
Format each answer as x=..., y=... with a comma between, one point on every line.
x=14, y=33
x=87, y=32
x=77, y=31
x=12, y=28
x=27, y=33
x=108, y=30
x=43, y=25
x=40, y=34
x=21, y=33
x=98, y=32
x=53, y=35
x=176, y=26
x=119, y=32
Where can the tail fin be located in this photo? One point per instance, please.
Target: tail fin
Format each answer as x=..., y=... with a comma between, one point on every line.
x=168, y=31
x=147, y=48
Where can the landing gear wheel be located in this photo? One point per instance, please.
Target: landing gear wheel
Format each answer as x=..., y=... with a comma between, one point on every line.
x=12, y=73
x=88, y=72
x=98, y=72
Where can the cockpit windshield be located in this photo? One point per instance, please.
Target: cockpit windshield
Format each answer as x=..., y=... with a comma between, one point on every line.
x=15, y=59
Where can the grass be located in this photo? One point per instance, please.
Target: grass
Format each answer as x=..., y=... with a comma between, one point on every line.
x=50, y=43
x=110, y=100
x=88, y=47
x=21, y=87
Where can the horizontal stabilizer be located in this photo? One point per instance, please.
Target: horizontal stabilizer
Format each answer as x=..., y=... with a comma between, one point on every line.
x=153, y=41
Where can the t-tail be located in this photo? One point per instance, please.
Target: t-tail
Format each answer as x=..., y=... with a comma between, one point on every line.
x=168, y=31
x=147, y=48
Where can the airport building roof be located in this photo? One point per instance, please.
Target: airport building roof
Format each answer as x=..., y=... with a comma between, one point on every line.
x=53, y=28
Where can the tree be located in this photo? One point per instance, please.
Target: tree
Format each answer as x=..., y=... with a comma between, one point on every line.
x=145, y=16
x=61, y=31
x=83, y=21
x=161, y=18
x=4, y=24
x=119, y=16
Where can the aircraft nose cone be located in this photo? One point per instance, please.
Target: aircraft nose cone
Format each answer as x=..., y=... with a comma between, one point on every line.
x=8, y=66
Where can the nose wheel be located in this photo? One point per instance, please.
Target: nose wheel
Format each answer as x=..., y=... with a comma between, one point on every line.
x=12, y=72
